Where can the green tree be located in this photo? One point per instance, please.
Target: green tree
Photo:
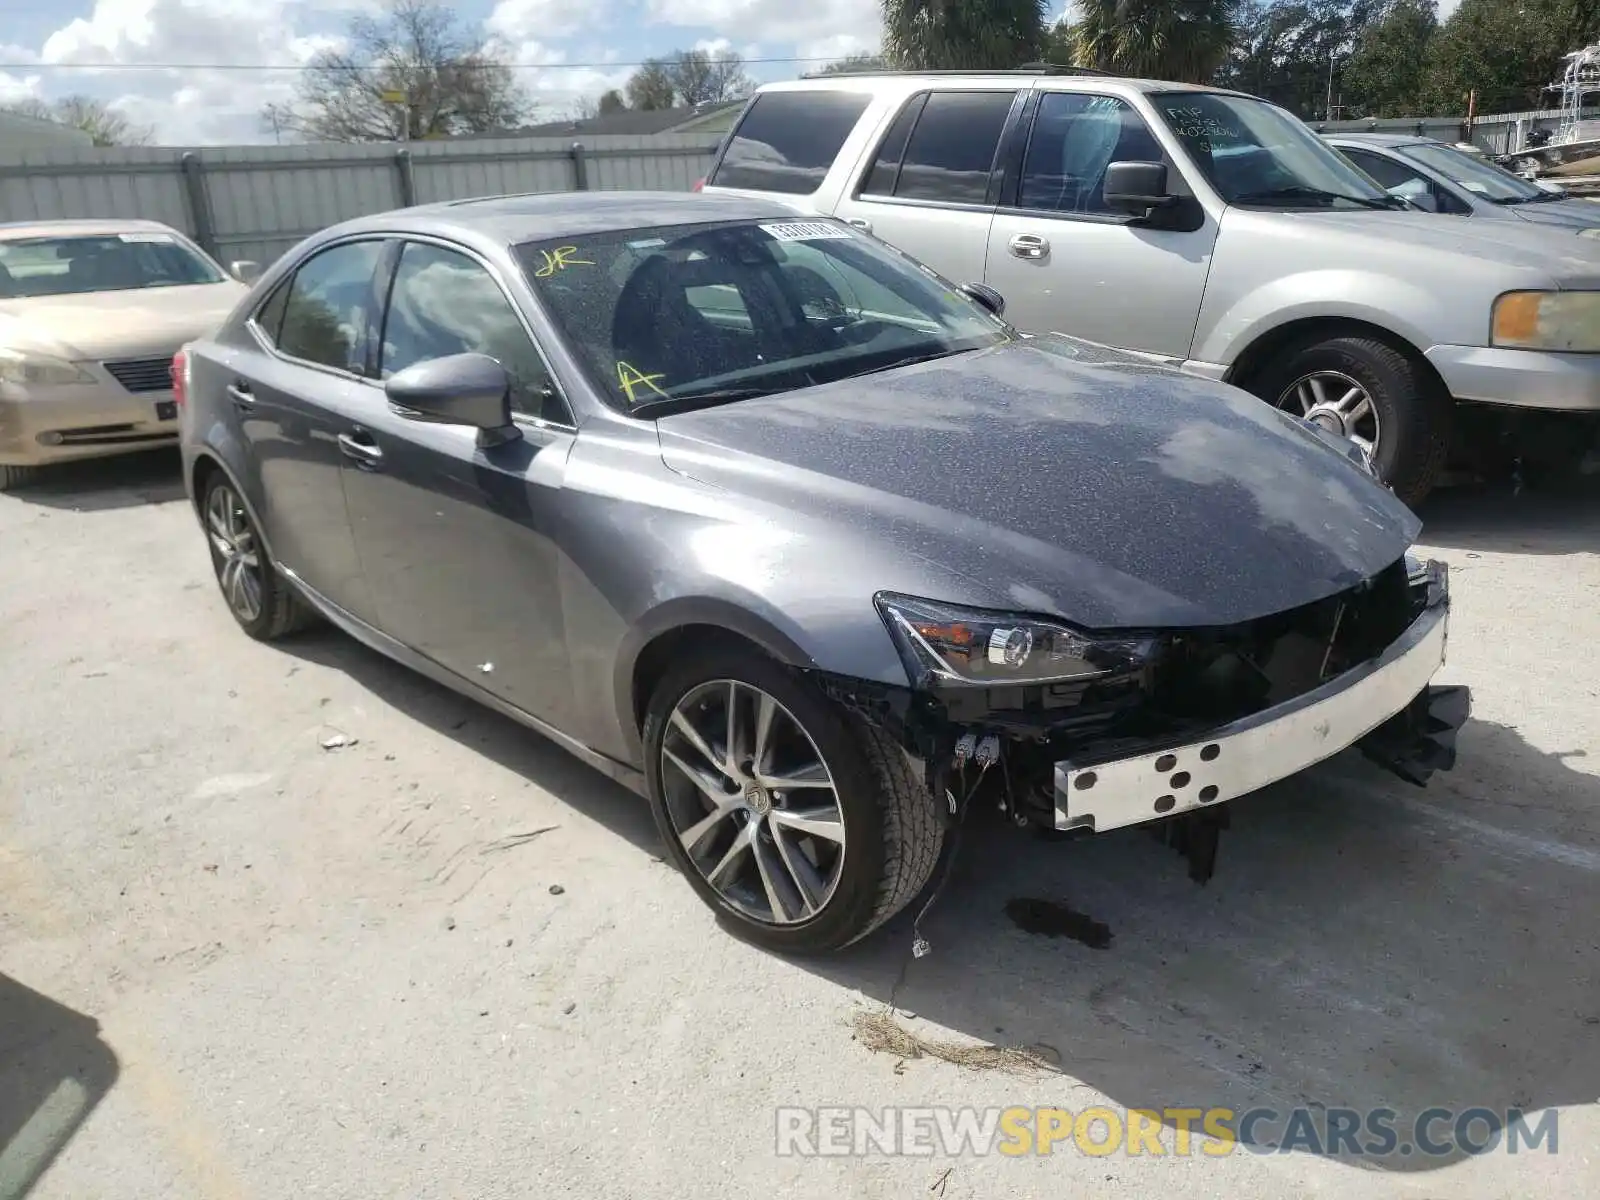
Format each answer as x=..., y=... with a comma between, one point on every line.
x=1384, y=76
x=1294, y=52
x=104, y=125
x=1183, y=40
x=610, y=102
x=651, y=86
x=1507, y=51
x=974, y=35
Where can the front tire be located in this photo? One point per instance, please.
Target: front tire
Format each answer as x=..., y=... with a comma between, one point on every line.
x=1372, y=393
x=796, y=822
x=257, y=596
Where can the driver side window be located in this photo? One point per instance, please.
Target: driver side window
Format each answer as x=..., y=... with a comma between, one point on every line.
x=1075, y=137
x=444, y=302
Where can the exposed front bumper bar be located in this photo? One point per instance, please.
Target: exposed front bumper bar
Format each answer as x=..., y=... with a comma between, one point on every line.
x=1261, y=749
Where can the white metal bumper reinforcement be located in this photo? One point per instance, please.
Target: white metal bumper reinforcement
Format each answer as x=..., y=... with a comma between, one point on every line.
x=1251, y=753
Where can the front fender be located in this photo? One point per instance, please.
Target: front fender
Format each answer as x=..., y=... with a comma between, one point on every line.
x=1224, y=334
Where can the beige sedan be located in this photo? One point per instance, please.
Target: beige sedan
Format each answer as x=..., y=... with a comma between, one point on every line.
x=91, y=313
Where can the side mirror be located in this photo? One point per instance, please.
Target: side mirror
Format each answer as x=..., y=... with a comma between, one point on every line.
x=461, y=389
x=244, y=270
x=1137, y=187
x=986, y=296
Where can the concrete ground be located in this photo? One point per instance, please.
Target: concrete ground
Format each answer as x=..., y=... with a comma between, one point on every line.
x=234, y=963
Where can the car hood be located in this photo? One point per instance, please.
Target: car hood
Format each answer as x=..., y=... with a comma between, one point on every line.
x=1566, y=214
x=1373, y=237
x=141, y=322
x=1055, y=477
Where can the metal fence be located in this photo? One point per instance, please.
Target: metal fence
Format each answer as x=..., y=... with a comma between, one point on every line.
x=255, y=202
x=1497, y=133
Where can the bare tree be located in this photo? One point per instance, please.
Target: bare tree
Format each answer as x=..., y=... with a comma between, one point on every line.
x=417, y=71
x=104, y=125
x=855, y=62
x=651, y=86
x=704, y=77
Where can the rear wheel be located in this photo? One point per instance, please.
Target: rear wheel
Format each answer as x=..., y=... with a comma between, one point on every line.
x=15, y=477
x=255, y=593
x=797, y=823
x=1370, y=392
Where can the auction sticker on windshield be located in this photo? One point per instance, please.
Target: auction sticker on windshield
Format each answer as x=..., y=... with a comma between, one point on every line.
x=164, y=238
x=806, y=231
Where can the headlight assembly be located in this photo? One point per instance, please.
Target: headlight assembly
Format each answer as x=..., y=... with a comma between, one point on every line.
x=1559, y=321
x=38, y=370
x=946, y=645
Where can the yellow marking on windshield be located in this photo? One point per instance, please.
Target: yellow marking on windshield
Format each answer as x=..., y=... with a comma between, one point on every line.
x=630, y=379
x=560, y=259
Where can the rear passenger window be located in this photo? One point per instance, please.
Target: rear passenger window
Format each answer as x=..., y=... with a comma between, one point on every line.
x=330, y=308
x=788, y=140
x=952, y=148
x=886, y=165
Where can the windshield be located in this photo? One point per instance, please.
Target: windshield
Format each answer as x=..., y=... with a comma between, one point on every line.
x=1477, y=176
x=1257, y=154
x=116, y=262
x=688, y=315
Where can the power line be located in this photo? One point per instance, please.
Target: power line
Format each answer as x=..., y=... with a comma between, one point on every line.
x=563, y=66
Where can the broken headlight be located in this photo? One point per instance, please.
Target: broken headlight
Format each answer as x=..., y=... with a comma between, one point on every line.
x=945, y=644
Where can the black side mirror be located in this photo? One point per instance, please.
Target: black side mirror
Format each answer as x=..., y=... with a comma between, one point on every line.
x=987, y=297
x=1137, y=187
x=461, y=389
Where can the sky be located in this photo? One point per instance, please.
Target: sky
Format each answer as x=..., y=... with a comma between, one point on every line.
x=117, y=50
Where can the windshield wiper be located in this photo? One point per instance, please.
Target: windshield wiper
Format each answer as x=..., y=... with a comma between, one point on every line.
x=909, y=360
x=664, y=406
x=1300, y=192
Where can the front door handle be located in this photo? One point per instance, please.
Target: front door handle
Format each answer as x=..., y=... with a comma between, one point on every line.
x=239, y=392
x=360, y=449
x=860, y=223
x=1029, y=245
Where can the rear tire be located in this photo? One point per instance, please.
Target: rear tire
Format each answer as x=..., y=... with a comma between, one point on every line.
x=12, y=478
x=261, y=602
x=1412, y=411
x=876, y=854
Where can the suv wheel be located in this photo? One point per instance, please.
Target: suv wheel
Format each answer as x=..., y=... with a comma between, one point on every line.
x=15, y=477
x=796, y=822
x=1368, y=391
x=256, y=594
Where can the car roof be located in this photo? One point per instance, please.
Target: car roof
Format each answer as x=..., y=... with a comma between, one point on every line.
x=1042, y=80
x=91, y=227
x=541, y=215
x=1383, y=139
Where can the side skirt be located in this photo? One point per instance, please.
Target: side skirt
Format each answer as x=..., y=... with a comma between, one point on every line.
x=630, y=777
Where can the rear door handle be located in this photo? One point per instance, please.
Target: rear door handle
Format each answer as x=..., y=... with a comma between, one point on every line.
x=860, y=223
x=360, y=449
x=1029, y=245
x=239, y=392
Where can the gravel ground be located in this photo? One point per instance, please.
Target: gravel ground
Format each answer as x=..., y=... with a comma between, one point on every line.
x=257, y=967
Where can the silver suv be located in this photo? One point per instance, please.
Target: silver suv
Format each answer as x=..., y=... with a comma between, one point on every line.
x=1206, y=229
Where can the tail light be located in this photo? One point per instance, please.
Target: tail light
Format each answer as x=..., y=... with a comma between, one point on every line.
x=699, y=184
x=180, y=377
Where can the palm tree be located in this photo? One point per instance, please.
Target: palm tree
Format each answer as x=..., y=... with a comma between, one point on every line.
x=953, y=35
x=1183, y=40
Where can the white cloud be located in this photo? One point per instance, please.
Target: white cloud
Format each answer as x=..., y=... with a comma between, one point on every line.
x=535, y=20
x=815, y=28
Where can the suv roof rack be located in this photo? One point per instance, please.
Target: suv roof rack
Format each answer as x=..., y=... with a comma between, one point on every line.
x=1035, y=68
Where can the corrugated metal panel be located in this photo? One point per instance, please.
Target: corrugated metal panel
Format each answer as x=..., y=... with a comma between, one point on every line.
x=261, y=200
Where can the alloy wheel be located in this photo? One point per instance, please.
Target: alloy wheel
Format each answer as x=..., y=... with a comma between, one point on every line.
x=752, y=802
x=237, y=552
x=1337, y=403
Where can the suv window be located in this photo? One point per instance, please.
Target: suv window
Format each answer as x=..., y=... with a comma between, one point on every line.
x=788, y=140
x=444, y=302
x=1075, y=137
x=950, y=154
x=329, y=307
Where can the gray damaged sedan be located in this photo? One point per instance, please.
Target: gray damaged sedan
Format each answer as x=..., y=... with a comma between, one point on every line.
x=802, y=541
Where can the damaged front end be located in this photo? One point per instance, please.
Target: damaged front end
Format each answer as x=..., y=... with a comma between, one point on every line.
x=1072, y=733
